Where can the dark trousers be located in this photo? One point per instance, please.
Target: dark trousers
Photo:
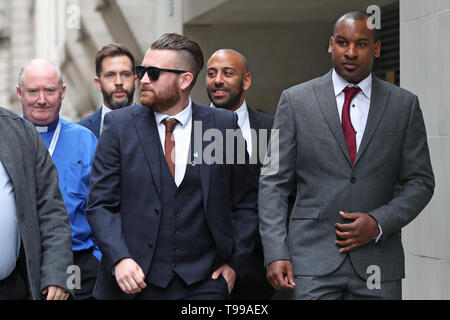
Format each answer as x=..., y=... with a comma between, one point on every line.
x=342, y=284
x=14, y=287
x=177, y=289
x=89, y=265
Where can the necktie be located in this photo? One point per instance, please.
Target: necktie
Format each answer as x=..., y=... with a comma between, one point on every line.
x=349, y=131
x=169, y=144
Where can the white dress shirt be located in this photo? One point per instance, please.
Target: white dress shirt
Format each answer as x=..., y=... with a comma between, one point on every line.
x=244, y=124
x=9, y=226
x=105, y=110
x=359, y=108
x=182, y=137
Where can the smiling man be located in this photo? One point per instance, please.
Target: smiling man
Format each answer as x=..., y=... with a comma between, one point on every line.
x=41, y=91
x=356, y=147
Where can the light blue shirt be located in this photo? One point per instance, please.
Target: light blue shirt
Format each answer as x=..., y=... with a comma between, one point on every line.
x=9, y=226
x=73, y=156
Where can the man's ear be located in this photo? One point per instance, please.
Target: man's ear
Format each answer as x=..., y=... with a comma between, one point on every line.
x=63, y=92
x=330, y=45
x=19, y=92
x=247, y=81
x=186, y=80
x=377, y=49
x=97, y=84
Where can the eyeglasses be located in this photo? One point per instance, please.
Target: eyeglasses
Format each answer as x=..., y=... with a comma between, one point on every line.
x=153, y=72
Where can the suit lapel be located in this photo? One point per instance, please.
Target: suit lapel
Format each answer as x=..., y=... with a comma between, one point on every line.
x=148, y=136
x=378, y=103
x=324, y=91
x=201, y=115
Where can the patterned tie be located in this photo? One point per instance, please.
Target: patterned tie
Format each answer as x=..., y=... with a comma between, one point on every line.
x=169, y=144
x=349, y=131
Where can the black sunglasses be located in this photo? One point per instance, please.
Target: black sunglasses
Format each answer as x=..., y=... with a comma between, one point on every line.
x=153, y=72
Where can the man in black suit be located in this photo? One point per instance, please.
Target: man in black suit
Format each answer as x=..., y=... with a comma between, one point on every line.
x=227, y=80
x=116, y=80
x=170, y=223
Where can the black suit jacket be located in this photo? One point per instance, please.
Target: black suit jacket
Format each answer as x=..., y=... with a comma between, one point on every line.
x=125, y=193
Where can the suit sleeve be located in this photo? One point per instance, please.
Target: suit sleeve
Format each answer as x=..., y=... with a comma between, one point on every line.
x=54, y=225
x=243, y=204
x=416, y=178
x=103, y=206
x=276, y=183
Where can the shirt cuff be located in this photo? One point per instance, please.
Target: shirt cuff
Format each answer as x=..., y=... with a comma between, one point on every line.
x=377, y=239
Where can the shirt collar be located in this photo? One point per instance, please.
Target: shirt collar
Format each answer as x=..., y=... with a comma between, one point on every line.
x=183, y=116
x=339, y=84
x=105, y=109
x=49, y=128
x=242, y=112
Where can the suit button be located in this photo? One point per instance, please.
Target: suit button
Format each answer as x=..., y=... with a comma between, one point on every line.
x=176, y=249
x=353, y=180
x=177, y=213
x=177, y=231
x=156, y=211
x=150, y=245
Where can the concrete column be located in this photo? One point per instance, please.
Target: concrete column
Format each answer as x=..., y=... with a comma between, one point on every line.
x=425, y=70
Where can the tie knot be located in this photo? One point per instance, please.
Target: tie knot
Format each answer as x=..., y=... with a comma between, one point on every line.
x=170, y=124
x=351, y=92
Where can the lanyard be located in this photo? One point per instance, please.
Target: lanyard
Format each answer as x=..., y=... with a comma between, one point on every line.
x=51, y=149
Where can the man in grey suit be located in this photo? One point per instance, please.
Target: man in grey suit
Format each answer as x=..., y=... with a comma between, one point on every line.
x=35, y=234
x=227, y=80
x=362, y=174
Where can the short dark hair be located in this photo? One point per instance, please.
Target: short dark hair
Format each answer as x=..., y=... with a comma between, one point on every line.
x=113, y=50
x=357, y=15
x=193, y=54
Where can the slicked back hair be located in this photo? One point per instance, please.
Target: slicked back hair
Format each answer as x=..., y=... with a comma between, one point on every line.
x=190, y=52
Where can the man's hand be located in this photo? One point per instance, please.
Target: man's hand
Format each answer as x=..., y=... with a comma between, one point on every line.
x=129, y=276
x=228, y=273
x=280, y=275
x=362, y=230
x=55, y=293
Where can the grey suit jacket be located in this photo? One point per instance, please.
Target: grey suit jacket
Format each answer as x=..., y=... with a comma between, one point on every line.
x=391, y=178
x=43, y=220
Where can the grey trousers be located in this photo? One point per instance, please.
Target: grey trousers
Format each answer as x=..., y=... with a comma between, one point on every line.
x=341, y=284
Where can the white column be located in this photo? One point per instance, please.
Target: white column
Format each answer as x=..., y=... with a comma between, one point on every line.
x=425, y=70
x=169, y=17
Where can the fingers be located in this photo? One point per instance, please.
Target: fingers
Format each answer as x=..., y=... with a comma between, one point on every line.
x=228, y=274
x=55, y=293
x=129, y=276
x=280, y=275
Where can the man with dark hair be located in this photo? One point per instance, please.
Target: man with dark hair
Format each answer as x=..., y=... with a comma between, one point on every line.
x=171, y=224
x=227, y=80
x=357, y=149
x=116, y=80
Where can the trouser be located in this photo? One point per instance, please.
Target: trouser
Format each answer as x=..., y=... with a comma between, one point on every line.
x=342, y=284
x=177, y=289
x=13, y=287
x=89, y=265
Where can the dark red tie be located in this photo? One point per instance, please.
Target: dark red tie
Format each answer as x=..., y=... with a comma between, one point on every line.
x=349, y=131
x=169, y=144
